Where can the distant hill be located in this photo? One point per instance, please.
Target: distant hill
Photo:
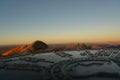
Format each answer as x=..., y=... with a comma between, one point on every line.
x=113, y=43
x=114, y=47
x=37, y=45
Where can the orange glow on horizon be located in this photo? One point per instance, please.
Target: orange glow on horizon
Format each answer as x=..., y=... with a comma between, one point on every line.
x=64, y=39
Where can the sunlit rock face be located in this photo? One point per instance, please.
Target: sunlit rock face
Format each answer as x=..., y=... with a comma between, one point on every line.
x=37, y=45
x=15, y=51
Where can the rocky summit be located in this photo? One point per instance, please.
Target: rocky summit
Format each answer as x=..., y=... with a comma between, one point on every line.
x=35, y=46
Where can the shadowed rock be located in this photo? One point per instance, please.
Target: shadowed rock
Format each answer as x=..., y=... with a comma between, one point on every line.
x=35, y=46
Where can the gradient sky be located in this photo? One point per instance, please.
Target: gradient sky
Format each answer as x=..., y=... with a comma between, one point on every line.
x=59, y=21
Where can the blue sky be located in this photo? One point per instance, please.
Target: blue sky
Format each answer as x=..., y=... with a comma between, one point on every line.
x=59, y=21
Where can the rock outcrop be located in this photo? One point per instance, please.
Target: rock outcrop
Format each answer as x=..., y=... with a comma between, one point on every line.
x=35, y=46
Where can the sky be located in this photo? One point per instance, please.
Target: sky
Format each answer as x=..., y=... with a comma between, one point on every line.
x=59, y=21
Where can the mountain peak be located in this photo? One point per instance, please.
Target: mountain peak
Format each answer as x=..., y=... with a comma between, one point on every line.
x=36, y=45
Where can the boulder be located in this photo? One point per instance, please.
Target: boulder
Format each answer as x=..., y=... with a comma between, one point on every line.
x=37, y=45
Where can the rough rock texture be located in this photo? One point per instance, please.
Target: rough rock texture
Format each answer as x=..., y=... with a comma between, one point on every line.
x=35, y=46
